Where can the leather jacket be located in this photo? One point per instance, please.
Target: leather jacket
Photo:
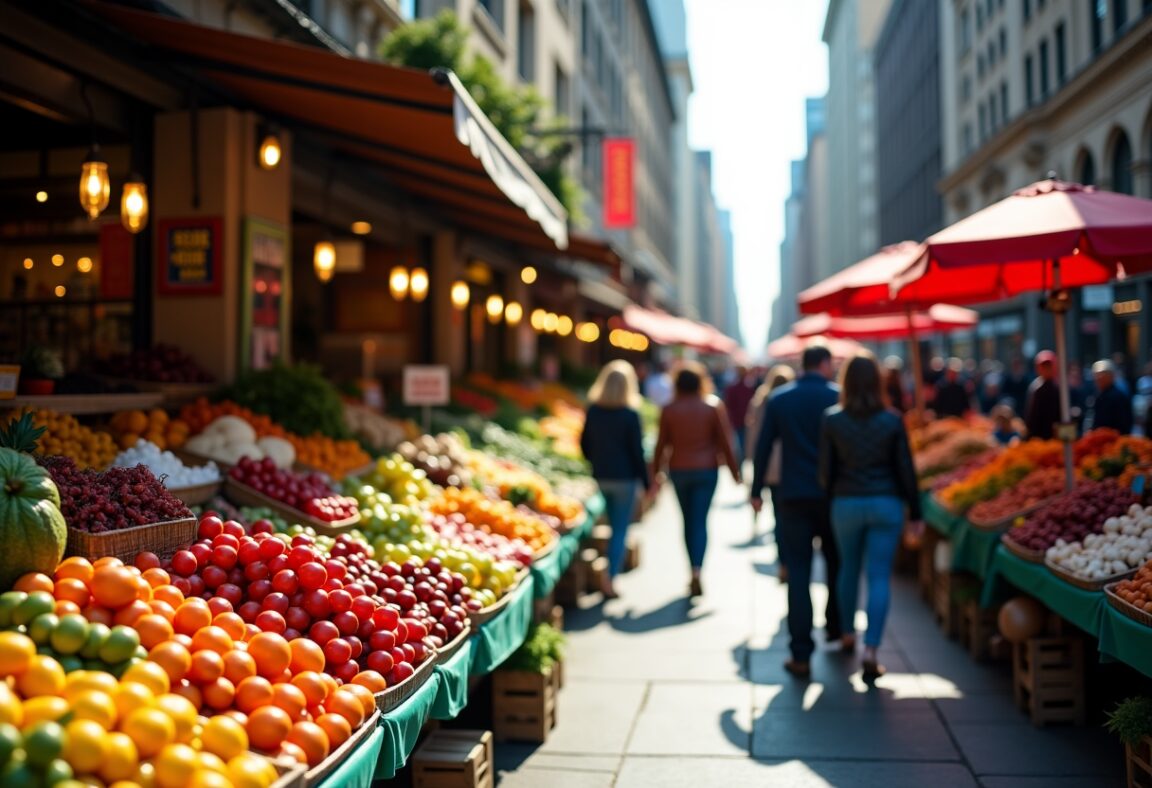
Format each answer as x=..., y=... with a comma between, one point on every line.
x=867, y=455
x=695, y=435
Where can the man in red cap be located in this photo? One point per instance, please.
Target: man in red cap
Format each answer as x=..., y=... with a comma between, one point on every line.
x=1042, y=406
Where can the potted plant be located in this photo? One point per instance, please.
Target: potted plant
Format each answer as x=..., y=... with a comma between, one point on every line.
x=1132, y=722
x=40, y=368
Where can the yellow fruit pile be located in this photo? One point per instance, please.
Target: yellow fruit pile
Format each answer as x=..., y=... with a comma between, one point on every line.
x=130, y=426
x=68, y=437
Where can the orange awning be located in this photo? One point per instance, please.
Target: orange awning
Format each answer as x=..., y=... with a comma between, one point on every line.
x=425, y=128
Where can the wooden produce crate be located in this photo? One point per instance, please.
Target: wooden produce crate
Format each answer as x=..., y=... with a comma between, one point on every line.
x=631, y=554
x=1139, y=760
x=523, y=705
x=556, y=617
x=948, y=594
x=977, y=626
x=163, y=539
x=318, y=773
x=926, y=576
x=455, y=759
x=573, y=583
x=558, y=675
x=542, y=608
x=598, y=540
x=1048, y=679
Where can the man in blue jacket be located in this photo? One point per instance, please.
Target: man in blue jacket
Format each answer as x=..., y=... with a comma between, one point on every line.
x=793, y=416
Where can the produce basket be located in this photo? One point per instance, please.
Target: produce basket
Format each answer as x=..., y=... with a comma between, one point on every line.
x=291, y=773
x=244, y=495
x=478, y=618
x=1083, y=582
x=547, y=549
x=192, y=458
x=392, y=697
x=1002, y=523
x=569, y=525
x=197, y=493
x=1021, y=552
x=449, y=649
x=320, y=771
x=163, y=539
x=1125, y=607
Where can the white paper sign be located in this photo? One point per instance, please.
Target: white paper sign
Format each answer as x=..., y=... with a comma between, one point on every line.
x=426, y=385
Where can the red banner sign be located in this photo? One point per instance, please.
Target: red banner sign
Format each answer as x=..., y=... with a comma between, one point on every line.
x=619, y=182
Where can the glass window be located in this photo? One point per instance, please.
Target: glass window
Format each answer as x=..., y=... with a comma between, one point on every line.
x=1027, y=10
x=561, y=91
x=495, y=9
x=980, y=66
x=1004, y=101
x=1061, y=55
x=1096, y=11
x=1029, y=89
x=1087, y=174
x=1119, y=14
x=1003, y=43
x=410, y=9
x=526, y=52
x=1122, y=165
x=965, y=31
x=1043, y=69
x=967, y=138
x=993, y=113
x=983, y=122
x=979, y=17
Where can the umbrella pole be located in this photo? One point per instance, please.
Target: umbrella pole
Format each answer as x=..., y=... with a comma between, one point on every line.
x=917, y=367
x=1061, y=371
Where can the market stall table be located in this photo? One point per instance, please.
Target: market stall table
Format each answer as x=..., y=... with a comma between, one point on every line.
x=1126, y=640
x=501, y=636
x=1085, y=609
x=547, y=571
x=452, y=679
x=359, y=769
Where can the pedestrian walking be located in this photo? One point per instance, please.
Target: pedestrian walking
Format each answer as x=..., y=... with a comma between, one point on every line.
x=1042, y=404
x=952, y=396
x=794, y=415
x=737, y=397
x=778, y=376
x=613, y=444
x=1109, y=406
x=866, y=466
x=695, y=438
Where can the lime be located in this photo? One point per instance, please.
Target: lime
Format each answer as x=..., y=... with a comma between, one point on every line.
x=43, y=743
x=40, y=629
x=97, y=634
x=10, y=740
x=57, y=772
x=9, y=601
x=70, y=634
x=36, y=604
x=70, y=662
x=18, y=774
x=121, y=644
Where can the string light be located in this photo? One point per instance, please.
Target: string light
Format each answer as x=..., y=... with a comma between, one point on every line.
x=270, y=153
x=495, y=308
x=528, y=275
x=398, y=282
x=134, y=205
x=418, y=284
x=460, y=294
x=324, y=260
x=513, y=313
x=95, y=188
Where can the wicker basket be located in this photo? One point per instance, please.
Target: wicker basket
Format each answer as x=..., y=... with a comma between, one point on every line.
x=317, y=774
x=392, y=697
x=1003, y=523
x=291, y=774
x=243, y=495
x=1021, y=552
x=163, y=539
x=1082, y=582
x=454, y=645
x=478, y=618
x=1126, y=608
x=197, y=493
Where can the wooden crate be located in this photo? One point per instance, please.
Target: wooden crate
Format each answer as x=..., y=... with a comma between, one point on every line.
x=631, y=554
x=948, y=594
x=597, y=574
x=542, y=608
x=558, y=675
x=1139, y=760
x=455, y=759
x=926, y=577
x=523, y=705
x=556, y=617
x=599, y=538
x=1048, y=679
x=977, y=626
x=572, y=584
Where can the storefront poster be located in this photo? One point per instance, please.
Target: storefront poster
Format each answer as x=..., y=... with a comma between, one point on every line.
x=117, y=266
x=189, y=256
x=619, y=155
x=265, y=300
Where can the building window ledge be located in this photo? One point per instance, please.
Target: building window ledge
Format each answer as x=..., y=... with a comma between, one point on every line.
x=490, y=29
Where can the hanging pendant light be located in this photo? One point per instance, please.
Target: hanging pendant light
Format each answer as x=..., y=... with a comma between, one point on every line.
x=418, y=284
x=95, y=188
x=495, y=308
x=134, y=204
x=398, y=281
x=324, y=260
x=513, y=313
x=269, y=153
x=460, y=294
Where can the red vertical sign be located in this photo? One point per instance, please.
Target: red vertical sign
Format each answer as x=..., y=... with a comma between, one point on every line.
x=619, y=182
x=117, y=269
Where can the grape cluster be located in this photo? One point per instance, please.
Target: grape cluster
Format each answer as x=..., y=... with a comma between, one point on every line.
x=308, y=493
x=113, y=499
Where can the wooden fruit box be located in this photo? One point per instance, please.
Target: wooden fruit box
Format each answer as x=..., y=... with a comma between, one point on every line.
x=1048, y=679
x=318, y=773
x=1022, y=552
x=455, y=759
x=163, y=539
x=523, y=705
x=1003, y=523
x=244, y=495
x=291, y=773
x=478, y=618
x=1125, y=607
x=1139, y=760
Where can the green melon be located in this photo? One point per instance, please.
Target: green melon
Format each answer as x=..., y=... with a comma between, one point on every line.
x=32, y=529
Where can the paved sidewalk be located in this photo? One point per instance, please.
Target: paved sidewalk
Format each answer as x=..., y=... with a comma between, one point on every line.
x=662, y=691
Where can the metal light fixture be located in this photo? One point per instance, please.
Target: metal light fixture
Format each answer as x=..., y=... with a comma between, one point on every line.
x=513, y=313
x=95, y=188
x=361, y=228
x=418, y=284
x=398, y=282
x=563, y=325
x=324, y=260
x=495, y=307
x=528, y=275
x=460, y=294
x=134, y=204
x=269, y=154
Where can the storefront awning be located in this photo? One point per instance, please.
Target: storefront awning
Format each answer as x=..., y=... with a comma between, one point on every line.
x=434, y=140
x=665, y=329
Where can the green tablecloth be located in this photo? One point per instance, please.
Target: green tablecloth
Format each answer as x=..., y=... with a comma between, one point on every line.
x=1126, y=640
x=400, y=728
x=452, y=695
x=359, y=768
x=1083, y=608
x=937, y=517
x=498, y=638
x=546, y=572
x=972, y=549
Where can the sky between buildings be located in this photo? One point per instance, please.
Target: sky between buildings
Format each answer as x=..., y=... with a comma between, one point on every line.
x=753, y=64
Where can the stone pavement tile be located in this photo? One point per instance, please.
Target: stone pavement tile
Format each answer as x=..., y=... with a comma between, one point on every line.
x=1046, y=782
x=1013, y=749
x=595, y=717
x=640, y=772
x=852, y=733
x=694, y=719
x=891, y=694
x=555, y=778
x=513, y=756
x=999, y=708
x=689, y=662
x=767, y=666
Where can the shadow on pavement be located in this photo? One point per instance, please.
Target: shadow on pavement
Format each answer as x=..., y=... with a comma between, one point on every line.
x=674, y=613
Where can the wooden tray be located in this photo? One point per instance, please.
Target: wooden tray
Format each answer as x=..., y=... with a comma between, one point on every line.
x=87, y=404
x=197, y=493
x=1005, y=522
x=243, y=495
x=1125, y=607
x=392, y=697
x=1021, y=552
x=163, y=539
x=1084, y=583
x=318, y=773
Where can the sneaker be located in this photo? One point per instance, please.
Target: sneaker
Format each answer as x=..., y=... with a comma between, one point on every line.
x=800, y=670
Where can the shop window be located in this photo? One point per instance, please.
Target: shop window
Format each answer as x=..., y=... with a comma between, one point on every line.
x=1061, y=55
x=1119, y=14
x=1097, y=9
x=1087, y=174
x=1044, y=70
x=495, y=9
x=526, y=52
x=1122, y=165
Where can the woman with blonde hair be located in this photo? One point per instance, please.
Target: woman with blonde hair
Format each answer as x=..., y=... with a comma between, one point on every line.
x=612, y=443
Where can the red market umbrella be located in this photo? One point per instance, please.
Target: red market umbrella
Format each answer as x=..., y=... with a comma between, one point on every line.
x=1047, y=236
x=666, y=329
x=790, y=347
x=863, y=288
x=938, y=318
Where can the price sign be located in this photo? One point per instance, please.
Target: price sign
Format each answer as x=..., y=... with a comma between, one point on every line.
x=426, y=385
x=189, y=256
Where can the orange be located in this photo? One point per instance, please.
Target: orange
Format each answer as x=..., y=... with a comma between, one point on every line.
x=207, y=666
x=367, y=701
x=76, y=567
x=41, y=676
x=170, y=594
x=252, y=693
x=16, y=653
x=310, y=738
x=143, y=587
x=272, y=653
x=72, y=589
x=336, y=728
x=292, y=752
x=82, y=680
x=84, y=745
x=231, y=623
x=224, y=737
x=96, y=706
x=64, y=607
x=156, y=577
x=98, y=615
x=347, y=705
x=314, y=688
x=151, y=675
x=331, y=682
x=268, y=727
x=290, y=698
x=239, y=716
x=163, y=608
x=189, y=692
x=34, y=581
x=173, y=657
x=192, y=616
x=372, y=680
x=131, y=613
x=151, y=730
x=132, y=697
x=113, y=585
x=46, y=708
x=212, y=638
x=306, y=655
x=120, y=758
x=238, y=665
x=219, y=694
x=182, y=712
x=175, y=765
x=153, y=629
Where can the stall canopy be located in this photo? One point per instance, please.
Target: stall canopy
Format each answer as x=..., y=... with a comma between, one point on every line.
x=864, y=287
x=424, y=127
x=665, y=329
x=790, y=347
x=940, y=317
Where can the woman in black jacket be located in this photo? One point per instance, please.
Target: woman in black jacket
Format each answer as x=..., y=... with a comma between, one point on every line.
x=866, y=466
x=612, y=443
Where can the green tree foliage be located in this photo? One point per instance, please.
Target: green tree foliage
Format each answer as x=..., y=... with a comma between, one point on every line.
x=515, y=111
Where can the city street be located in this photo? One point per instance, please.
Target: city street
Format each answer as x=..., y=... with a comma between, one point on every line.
x=664, y=691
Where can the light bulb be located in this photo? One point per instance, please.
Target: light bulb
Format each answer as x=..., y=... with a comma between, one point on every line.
x=41, y=196
x=270, y=152
x=57, y=260
x=528, y=275
x=513, y=313
x=563, y=325
x=324, y=260
x=551, y=321
x=361, y=228
x=460, y=294
x=495, y=307
x=537, y=319
x=95, y=189
x=28, y=264
x=398, y=282
x=134, y=205
x=418, y=284
x=61, y=291
x=84, y=265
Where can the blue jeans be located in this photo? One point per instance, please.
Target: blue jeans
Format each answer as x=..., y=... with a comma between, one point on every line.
x=868, y=529
x=798, y=523
x=694, y=491
x=619, y=503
